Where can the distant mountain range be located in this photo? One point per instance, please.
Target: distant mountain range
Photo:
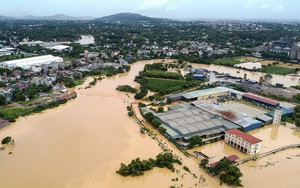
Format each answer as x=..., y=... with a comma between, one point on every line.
x=129, y=18
x=126, y=18
x=5, y=18
x=53, y=17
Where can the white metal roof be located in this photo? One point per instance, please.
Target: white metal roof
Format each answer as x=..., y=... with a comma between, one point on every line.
x=32, y=61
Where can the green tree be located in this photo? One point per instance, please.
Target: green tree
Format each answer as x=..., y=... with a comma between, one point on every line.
x=156, y=123
x=2, y=100
x=231, y=176
x=204, y=163
x=160, y=109
x=162, y=129
x=296, y=98
x=6, y=140
x=194, y=140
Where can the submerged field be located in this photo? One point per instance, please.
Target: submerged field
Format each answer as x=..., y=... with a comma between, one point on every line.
x=269, y=66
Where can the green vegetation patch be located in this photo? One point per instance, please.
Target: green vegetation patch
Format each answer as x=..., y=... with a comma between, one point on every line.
x=138, y=166
x=13, y=113
x=141, y=94
x=229, y=61
x=6, y=140
x=126, y=88
x=296, y=87
x=166, y=86
x=227, y=172
x=162, y=74
x=13, y=57
x=276, y=70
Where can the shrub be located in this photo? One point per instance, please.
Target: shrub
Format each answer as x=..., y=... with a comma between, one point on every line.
x=186, y=168
x=6, y=140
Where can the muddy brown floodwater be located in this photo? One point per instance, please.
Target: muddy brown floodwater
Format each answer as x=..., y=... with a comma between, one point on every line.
x=287, y=80
x=82, y=143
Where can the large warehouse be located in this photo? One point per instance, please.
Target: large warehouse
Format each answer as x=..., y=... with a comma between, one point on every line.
x=187, y=120
x=260, y=101
x=211, y=93
x=28, y=63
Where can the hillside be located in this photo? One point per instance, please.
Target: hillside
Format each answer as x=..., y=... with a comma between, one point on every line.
x=131, y=18
x=5, y=18
x=53, y=17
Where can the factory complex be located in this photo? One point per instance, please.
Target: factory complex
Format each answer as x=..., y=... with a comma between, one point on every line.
x=201, y=114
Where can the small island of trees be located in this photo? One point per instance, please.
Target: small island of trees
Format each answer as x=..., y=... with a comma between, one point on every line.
x=126, y=88
x=138, y=166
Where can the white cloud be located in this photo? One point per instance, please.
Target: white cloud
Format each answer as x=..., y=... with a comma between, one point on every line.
x=265, y=5
x=279, y=7
x=147, y=5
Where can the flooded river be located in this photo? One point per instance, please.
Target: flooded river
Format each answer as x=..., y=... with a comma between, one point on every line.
x=82, y=143
x=287, y=80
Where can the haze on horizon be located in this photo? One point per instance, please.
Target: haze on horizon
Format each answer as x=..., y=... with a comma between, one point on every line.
x=174, y=9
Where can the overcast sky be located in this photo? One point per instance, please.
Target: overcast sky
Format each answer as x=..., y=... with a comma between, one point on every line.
x=179, y=9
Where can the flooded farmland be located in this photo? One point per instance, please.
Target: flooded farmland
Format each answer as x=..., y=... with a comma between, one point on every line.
x=287, y=80
x=82, y=143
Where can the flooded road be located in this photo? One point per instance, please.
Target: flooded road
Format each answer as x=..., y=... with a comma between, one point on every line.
x=287, y=80
x=82, y=143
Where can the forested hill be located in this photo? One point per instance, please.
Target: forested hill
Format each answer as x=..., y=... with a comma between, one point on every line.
x=131, y=18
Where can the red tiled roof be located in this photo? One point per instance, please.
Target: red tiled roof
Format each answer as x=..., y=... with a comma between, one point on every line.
x=232, y=158
x=260, y=99
x=247, y=137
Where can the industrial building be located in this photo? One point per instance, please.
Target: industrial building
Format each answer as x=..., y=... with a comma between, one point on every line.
x=29, y=63
x=211, y=93
x=285, y=112
x=243, y=142
x=198, y=73
x=175, y=97
x=187, y=120
x=265, y=119
x=259, y=101
x=246, y=123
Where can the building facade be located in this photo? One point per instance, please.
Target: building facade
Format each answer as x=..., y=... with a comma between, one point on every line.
x=242, y=141
x=277, y=117
x=295, y=52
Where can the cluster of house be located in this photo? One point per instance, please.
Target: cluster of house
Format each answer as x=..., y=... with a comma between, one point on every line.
x=46, y=70
x=183, y=47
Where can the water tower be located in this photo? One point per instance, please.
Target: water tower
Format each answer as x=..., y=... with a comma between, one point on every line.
x=277, y=116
